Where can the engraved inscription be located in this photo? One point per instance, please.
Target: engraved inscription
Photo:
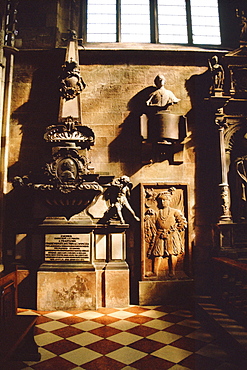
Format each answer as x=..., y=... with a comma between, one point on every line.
x=67, y=247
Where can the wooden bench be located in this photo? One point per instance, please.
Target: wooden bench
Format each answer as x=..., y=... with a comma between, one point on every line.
x=17, y=338
x=16, y=331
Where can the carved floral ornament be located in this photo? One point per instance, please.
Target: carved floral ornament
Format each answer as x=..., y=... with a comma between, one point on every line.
x=68, y=188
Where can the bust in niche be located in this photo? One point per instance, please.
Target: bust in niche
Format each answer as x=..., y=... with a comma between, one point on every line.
x=161, y=98
x=161, y=125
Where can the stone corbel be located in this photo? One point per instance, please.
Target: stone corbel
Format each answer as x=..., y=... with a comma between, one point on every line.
x=163, y=137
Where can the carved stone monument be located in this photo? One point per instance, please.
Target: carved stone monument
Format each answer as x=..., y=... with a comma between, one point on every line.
x=230, y=236
x=165, y=128
x=163, y=234
x=80, y=243
x=159, y=127
x=165, y=253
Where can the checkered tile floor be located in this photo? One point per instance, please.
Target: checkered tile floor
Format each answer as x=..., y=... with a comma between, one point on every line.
x=135, y=337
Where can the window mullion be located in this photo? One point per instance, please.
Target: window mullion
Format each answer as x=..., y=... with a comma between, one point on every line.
x=83, y=21
x=189, y=22
x=154, y=21
x=118, y=20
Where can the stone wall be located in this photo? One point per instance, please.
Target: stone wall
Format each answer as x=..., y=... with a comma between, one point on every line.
x=111, y=106
x=117, y=78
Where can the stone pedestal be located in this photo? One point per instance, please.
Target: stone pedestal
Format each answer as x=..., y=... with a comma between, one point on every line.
x=167, y=125
x=230, y=241
x=166, y=292
x=83, y=266
x=117, y=288
x=66, y=290
x=81, y=290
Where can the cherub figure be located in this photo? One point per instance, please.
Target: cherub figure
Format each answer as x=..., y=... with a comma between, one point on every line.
x=118, y=195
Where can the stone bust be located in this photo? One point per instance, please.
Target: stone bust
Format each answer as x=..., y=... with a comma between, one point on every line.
x=161, y=97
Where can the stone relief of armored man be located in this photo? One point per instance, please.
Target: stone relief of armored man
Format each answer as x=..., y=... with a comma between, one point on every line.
x=163, y=229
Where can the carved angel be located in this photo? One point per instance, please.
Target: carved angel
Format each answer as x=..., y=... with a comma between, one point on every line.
x=118, y=195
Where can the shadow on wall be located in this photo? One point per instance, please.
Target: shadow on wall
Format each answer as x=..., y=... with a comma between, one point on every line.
x=205, y=135
x=207, y=176
x=126, y=148
x=40, y=111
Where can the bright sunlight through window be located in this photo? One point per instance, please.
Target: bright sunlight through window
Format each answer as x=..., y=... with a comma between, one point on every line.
x=164, y=21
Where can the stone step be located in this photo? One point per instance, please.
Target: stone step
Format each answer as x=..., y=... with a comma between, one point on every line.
x=231, y=333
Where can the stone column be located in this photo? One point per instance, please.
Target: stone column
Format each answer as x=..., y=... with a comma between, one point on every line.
x=225, y=216
x=7, y=80
x=7, y=51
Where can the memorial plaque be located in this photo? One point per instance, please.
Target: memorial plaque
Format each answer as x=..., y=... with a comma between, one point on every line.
x=67, y=247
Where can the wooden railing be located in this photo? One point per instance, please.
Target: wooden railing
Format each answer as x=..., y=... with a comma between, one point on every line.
x=17, y=331
x=8, y=294
x=229, y=287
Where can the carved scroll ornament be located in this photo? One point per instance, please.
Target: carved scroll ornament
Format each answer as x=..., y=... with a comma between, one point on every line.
x=71, y=83
x=70, y=130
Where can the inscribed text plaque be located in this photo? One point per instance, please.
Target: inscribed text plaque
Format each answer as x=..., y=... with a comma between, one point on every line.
x=67, y=247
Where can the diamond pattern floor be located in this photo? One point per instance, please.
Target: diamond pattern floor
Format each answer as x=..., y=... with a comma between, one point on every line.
x=131, y=338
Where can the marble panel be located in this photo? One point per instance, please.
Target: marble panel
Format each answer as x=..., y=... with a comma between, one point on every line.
x=66, y=290
x=117, y=288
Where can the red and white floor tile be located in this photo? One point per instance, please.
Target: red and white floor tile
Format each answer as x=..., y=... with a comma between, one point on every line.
x=131, y=338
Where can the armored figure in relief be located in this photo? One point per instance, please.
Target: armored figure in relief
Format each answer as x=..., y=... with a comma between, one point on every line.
x=163, y=233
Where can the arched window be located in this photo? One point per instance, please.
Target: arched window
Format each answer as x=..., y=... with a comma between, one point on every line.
x=193, y=22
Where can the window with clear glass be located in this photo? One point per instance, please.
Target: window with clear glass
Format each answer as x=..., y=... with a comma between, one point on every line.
x=160, y=21
x=205, y=22
x=135, y=21
x=101, y=21
x=172, y=21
